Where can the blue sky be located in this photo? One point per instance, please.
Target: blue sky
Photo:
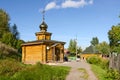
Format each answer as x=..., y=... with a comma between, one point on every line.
x=66, y=19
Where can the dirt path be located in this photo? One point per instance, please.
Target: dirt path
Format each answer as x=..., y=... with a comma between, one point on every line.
x=75, y=73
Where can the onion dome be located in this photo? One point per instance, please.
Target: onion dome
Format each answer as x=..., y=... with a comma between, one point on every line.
x=43, y=27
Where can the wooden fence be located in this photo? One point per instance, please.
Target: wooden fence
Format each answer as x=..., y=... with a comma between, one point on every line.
x=114, y=61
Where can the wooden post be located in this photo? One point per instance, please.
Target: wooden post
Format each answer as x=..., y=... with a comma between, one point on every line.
x=44, y=53
x=23, y=54
x=54, y=53
x=62, y=54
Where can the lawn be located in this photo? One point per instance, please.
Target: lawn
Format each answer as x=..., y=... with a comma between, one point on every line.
x=13, y=70
x=99, y=72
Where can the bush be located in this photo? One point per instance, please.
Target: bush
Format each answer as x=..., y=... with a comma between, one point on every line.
x=94, y=60
x=112, y=74
x=103, y=63
x=101, y=68
x=9, y=67
x=5, y=78
x=108, y=74
x=8, y=52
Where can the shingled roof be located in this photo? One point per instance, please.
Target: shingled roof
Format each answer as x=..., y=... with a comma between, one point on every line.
x=90, y=49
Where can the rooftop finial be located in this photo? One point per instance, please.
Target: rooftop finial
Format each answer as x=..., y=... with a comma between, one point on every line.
x=43, y=12
x=43, y=26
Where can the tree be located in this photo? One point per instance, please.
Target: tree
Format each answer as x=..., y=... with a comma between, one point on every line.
x=8, y=39
x=72, y=46
x=4, y=22
x=79, y=50
x=18, y=45
x=90, y=49
x=114, y=38
x=9, y=35
x=103, y=48
x=119, y=17
x=94, y=41
x=14, y=31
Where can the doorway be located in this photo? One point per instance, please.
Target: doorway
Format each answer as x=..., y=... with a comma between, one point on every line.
x=57, y=54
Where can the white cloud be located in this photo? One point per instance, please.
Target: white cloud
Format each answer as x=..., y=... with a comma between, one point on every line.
x=51, y=5
x=73, y=4
x=91, y=2
x=68, y=4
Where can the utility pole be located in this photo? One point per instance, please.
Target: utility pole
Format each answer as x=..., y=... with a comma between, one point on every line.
x=76, y=46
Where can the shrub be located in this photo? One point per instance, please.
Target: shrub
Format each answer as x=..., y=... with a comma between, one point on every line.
x=5, y=78
x=104, y=63
x=94, y=60
x=9, y=67
x=7, y=51
x=102, y=70
x=112, y=74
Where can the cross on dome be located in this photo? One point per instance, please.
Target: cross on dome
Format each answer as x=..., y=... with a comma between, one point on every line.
x=43, y=26
x=43, y=13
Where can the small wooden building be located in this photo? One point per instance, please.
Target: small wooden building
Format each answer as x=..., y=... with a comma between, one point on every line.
x=87, y=55
x=43, y=49
x=89, y=52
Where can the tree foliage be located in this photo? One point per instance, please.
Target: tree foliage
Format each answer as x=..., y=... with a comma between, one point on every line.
x=4, y=22
x=114, y=38
x=72, y=46
x=18, y=45
x=79, y=50
x=103, y=48
x=90, y=49
x=14, y=31
x=9, y=34
x=8, y=39
x=94, y=41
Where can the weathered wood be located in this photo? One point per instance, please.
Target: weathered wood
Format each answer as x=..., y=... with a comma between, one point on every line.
x=114, y=61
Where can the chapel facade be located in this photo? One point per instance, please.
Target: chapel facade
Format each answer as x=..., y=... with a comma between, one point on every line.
x=43, y=49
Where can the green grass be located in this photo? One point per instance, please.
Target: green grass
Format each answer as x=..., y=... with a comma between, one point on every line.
x=99, y=72
x=12, y=70
x=84, y=72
